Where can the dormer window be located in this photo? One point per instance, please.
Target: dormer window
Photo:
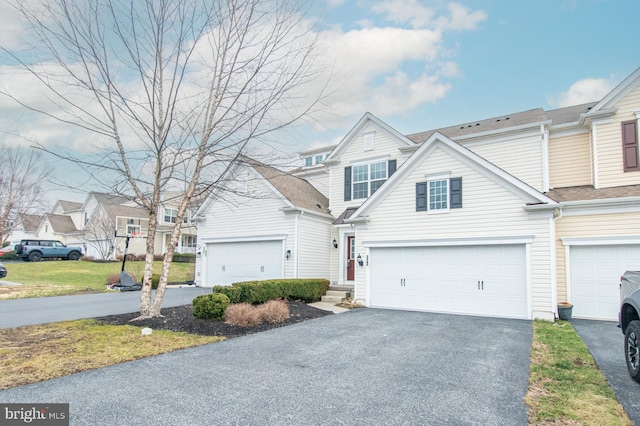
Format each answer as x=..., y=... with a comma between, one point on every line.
x=319, y=158
x=308, y=161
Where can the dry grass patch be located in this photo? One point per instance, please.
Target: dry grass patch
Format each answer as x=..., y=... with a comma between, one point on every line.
x=42, y=352
x=242, y=315
x=565, y=385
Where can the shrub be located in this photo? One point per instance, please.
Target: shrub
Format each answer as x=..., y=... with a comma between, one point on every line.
x=184, y=257
x=9, y=256
x=232, y=292
x=140, y=257
x=210, y=306
x=256, y=292
x=242, y=315
x=274, y=311
x=88, y=258
x=113, y=279
x=158, y=257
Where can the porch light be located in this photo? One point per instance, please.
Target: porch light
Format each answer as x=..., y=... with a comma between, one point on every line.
x=288, y=254
x=359, y=259
x=335, y=243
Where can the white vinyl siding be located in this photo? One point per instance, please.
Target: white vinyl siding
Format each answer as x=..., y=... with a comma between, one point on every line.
x=314, y=247
x=609, y=139
x=385, y=147
x=395, y=218
x=570, y=160
x=521, y=157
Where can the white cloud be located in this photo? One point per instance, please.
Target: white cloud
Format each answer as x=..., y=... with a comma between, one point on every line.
x=582, y=91
x=412, y=12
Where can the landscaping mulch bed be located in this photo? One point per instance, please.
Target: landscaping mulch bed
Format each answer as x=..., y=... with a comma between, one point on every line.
x=181, y=318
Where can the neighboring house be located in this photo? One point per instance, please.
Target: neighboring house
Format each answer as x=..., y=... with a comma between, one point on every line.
x=25, y=228
x=187, y=242
x=501, y=217
x=101, y=223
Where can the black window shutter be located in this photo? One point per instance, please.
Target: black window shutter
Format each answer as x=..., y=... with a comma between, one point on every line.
x=455, y=193
x=421, y=196
x=347, y=184
x=630, y=145
x=392, y=167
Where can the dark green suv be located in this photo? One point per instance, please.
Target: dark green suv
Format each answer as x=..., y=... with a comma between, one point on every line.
x=35, y=250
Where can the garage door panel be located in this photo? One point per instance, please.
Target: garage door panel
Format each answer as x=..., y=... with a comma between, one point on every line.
x=594, y=278
x=482, y=280
x=243, y=261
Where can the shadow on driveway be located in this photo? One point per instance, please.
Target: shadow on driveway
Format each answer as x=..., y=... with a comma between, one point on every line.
x=606, y=344
x=368, y=366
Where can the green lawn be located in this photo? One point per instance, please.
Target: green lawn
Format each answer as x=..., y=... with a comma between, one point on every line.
x=59, y=277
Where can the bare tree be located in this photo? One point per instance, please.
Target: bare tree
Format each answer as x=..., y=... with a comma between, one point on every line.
x=22, y=175
x=100, y=234
x=173, y=91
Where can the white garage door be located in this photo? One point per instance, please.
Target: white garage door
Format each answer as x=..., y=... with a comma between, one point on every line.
x=595, y=276
x=477, y=280
x=243, y=261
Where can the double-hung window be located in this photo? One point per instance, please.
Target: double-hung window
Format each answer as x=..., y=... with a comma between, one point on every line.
x=170, y=215
x=367, y=178
x=439, y=194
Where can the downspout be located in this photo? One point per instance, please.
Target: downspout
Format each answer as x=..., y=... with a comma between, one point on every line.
x=554, y=261
x=545, y=159
x=594, y=153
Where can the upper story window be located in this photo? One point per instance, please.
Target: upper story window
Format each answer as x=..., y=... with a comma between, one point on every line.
x=319, y=158
x=170, y=215
x=86, y=218
x=362, y=180
x=308, y=161
x=439, y=194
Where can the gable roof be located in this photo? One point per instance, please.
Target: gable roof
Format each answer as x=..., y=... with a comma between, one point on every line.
x=488, y=169
x=619, y=91
x=299, y=192
x=109, y=198
x=68, y=206
x=61, y=223
x=366, y=118
x=30, y=222
x=588, y=192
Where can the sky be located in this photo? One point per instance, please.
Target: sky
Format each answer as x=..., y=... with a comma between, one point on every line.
x=424, y=64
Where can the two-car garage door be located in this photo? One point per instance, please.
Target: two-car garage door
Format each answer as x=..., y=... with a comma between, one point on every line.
x=229, y=262
x=478, y=280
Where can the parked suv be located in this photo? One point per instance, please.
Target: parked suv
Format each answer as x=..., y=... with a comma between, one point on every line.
x=629, y=320
x=35, y=250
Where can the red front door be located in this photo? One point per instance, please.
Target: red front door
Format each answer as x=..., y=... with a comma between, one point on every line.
x=351, y=258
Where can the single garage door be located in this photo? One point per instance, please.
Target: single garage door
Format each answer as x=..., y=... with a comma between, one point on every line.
x=595, y=277
x=243, y=261
x=475, y=280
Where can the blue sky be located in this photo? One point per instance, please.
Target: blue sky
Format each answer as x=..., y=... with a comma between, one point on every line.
x=425, y=64
x=500, y=57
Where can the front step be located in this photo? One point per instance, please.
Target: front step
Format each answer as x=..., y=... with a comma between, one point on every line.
x=336, y=296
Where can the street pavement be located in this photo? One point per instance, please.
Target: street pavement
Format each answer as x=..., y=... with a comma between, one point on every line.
x=41, y=310
x=363, y=367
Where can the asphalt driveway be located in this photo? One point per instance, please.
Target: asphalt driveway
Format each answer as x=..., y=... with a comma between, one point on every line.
x=606, y=344
x=366, y=366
